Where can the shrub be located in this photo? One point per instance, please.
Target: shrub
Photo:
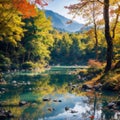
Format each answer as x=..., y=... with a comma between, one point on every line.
x=94, y=63
x=5, y=63
x=14, y=66
x=28, y=65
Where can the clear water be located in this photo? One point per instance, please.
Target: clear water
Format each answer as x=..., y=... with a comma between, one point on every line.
x=33, y=88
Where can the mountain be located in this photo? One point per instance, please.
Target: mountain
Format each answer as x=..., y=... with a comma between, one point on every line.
x=62, y=23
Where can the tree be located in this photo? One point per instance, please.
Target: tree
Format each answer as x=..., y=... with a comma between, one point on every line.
x=109, y=39
x=90, y=11
x=11, y=24
x=108, y=36
x=37, y=40
x=25, y=8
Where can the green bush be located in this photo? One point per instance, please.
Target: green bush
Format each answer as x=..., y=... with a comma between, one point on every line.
x=28, y=65
x=5, y=63
x=14, y=66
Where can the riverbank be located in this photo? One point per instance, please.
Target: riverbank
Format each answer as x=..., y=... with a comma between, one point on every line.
x=110, y=81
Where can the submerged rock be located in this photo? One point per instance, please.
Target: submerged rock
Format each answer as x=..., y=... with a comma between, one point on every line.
x=46, y=99
x=67, y=108
x=55, y=100
x=59, y=100
x=51, y=109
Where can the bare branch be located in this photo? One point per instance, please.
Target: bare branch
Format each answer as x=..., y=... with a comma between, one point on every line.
x=100, y=2
x=116, y=22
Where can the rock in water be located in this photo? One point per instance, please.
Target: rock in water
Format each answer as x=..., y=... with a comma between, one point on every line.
x=22, y=103
x=67, y=108
x=46, y=99
x=85, y=87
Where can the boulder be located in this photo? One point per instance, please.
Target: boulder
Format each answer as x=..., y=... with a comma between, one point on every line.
x=97, y=87
x=74, y=111
x=46, y=99
x=22, y=103
x=55, y=100
x=70, y=84
x=14, y=82
x=51, y=109
x=3, y=90
x=111, y=105
x=67, y=108
x=85, y=87
x=59, y=100
x=2, y=81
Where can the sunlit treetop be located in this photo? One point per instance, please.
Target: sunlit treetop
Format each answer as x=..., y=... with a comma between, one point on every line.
x=27, y=8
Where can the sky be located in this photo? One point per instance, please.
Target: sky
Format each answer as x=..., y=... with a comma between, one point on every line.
x=58, y=7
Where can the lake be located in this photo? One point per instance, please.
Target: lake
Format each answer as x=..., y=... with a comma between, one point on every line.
x=53, y=95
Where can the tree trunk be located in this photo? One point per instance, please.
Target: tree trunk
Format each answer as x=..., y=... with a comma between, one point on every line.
x=108, y=37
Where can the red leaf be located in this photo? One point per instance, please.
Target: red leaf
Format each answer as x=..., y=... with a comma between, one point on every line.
x=41, y=2
x=92, y=117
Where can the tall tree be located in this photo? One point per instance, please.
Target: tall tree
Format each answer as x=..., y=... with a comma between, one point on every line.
x=105, y=5
x=37, y=40
x=90, y=11
x=25, y=8
x=108, y=36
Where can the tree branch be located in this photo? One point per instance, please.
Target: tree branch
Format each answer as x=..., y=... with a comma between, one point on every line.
x=115, y=25
x=100, y=2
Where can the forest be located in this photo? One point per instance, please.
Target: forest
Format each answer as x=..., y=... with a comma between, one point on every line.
x=27, y=38
x=28, y=41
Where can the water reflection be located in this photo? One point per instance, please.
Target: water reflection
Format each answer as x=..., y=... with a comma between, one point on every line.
x=63, y=102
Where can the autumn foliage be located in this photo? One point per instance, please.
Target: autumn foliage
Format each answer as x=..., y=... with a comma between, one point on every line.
x=41, y=2
x=25, y=8
x=94, y=63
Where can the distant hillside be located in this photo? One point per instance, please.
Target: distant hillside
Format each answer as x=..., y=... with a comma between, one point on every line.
x=60, y=22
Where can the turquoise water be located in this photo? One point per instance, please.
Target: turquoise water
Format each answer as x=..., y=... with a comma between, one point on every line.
x=34, y=88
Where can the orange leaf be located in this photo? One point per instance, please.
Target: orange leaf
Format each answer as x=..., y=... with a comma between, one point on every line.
x=27, y=9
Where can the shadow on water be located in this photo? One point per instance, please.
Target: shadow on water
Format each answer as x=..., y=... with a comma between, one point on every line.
x=53, y=96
